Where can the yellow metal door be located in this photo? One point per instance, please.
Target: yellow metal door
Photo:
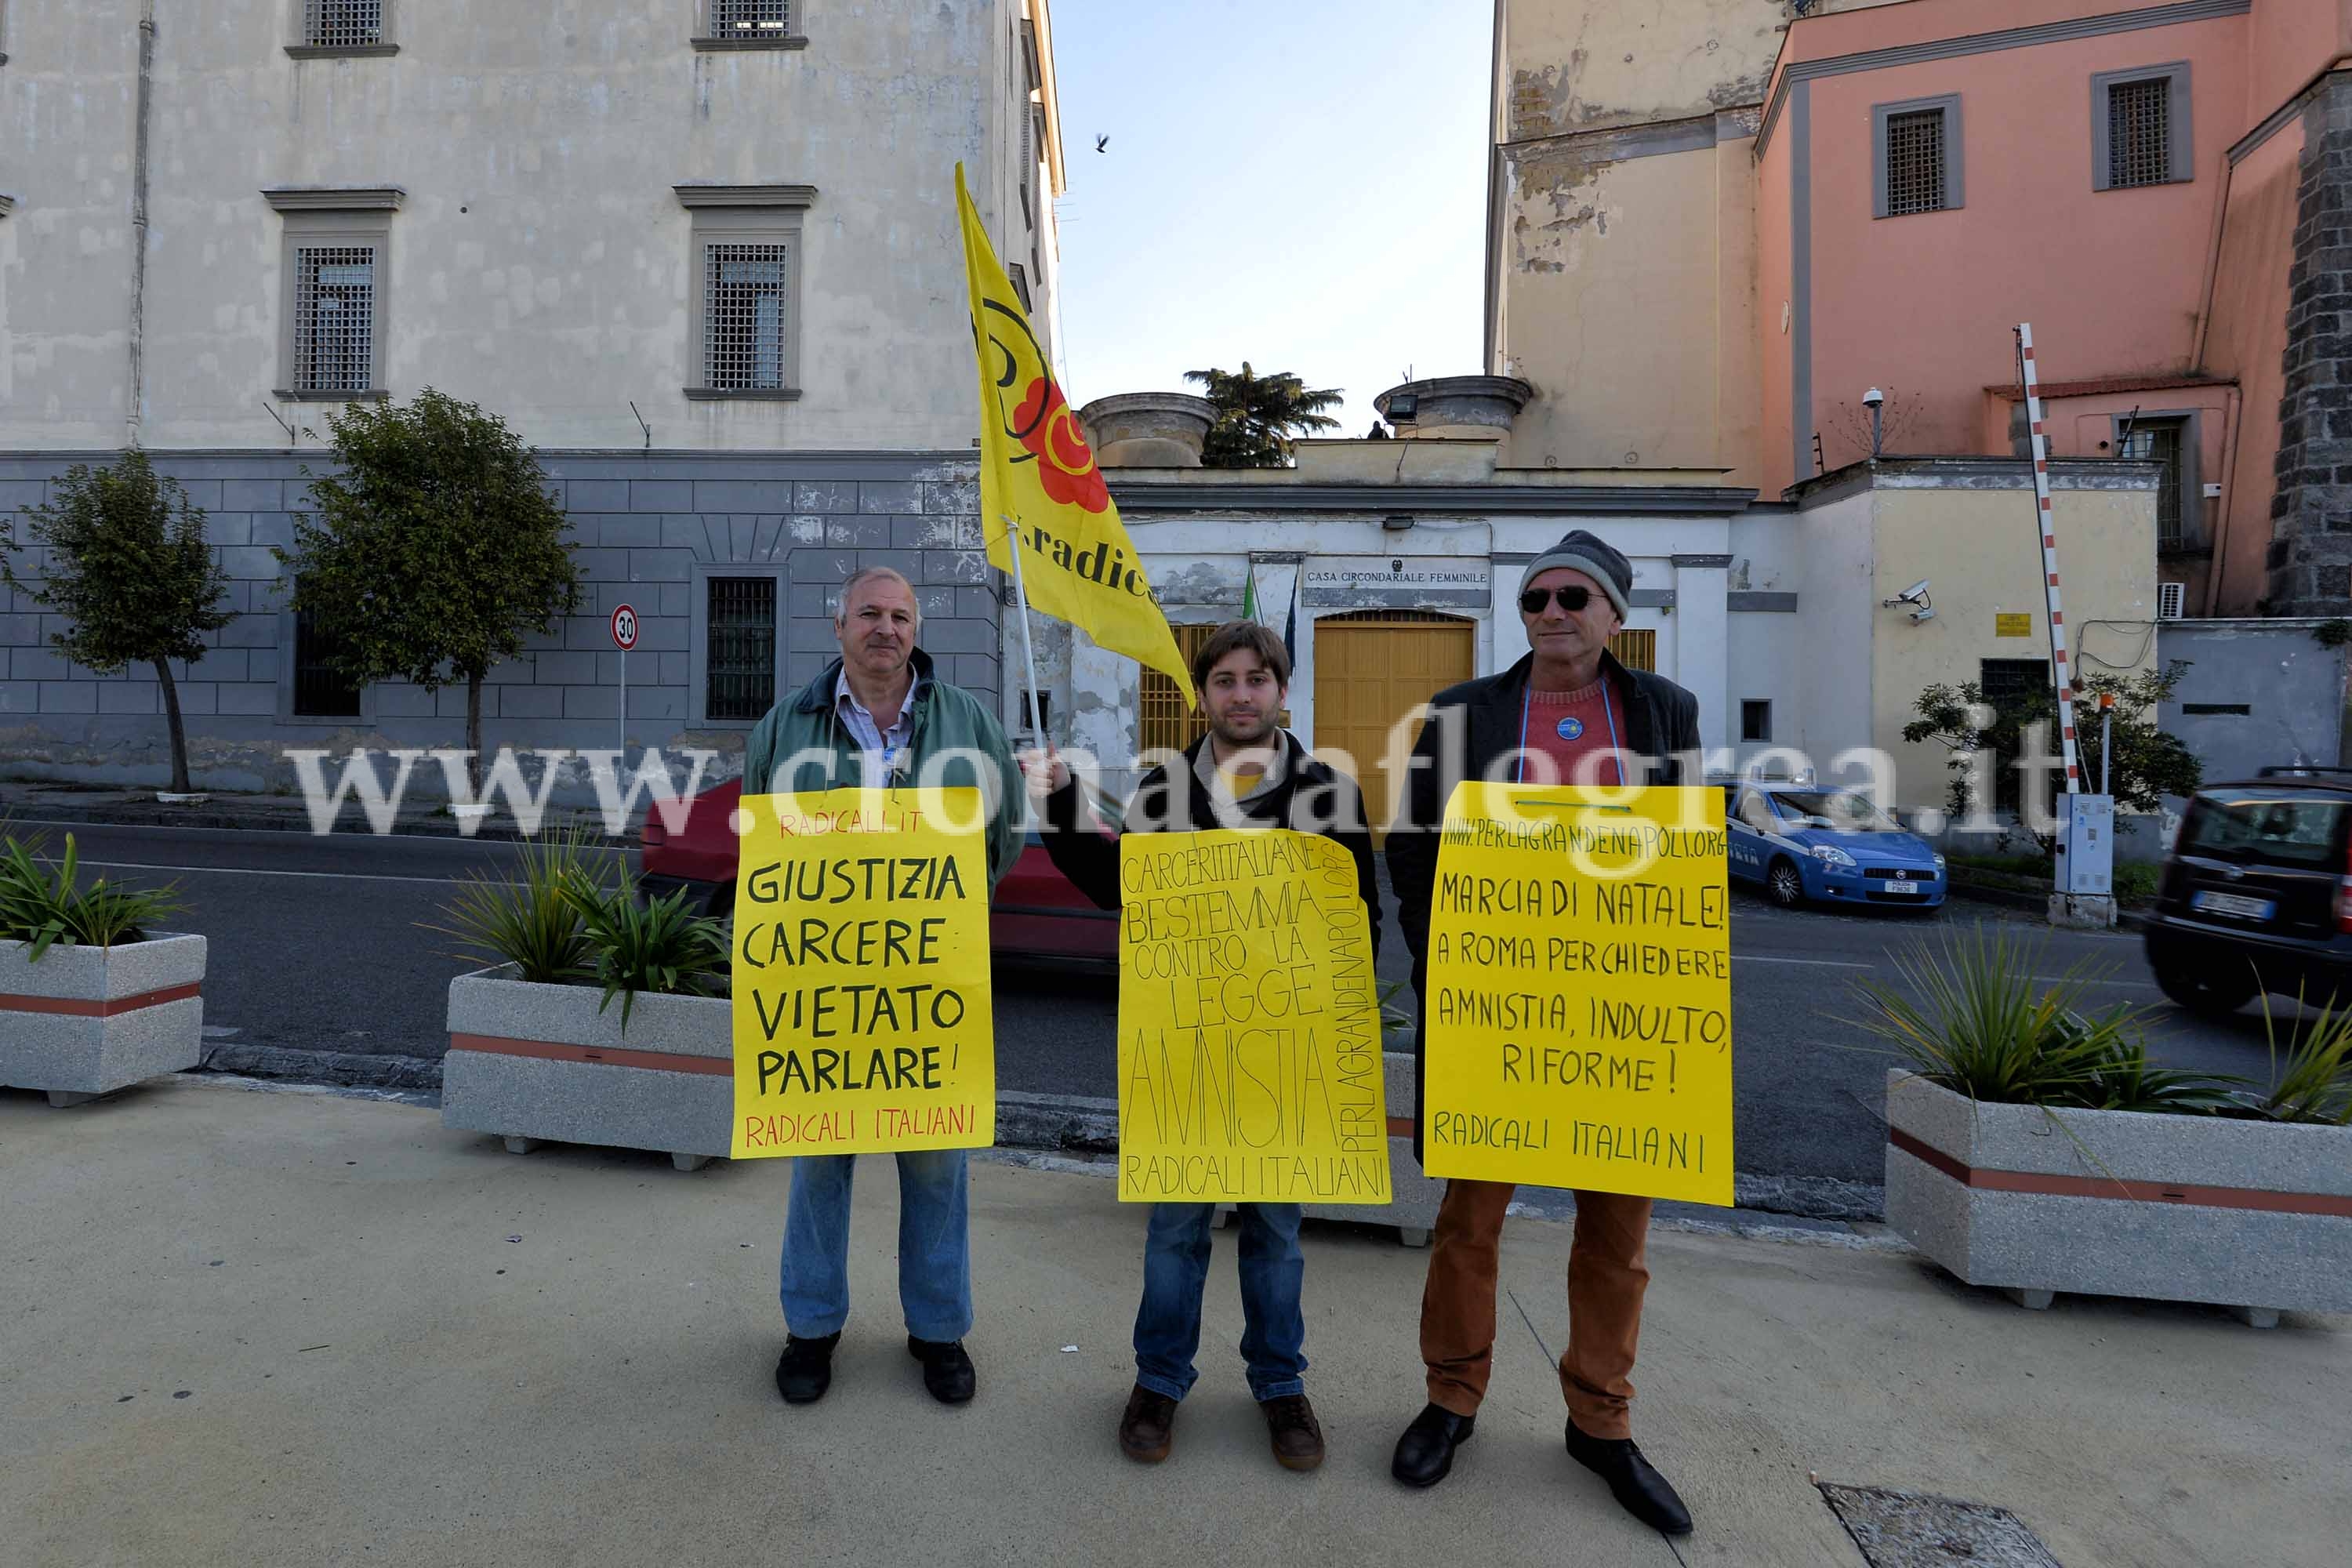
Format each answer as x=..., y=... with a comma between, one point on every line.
x=1371, y=668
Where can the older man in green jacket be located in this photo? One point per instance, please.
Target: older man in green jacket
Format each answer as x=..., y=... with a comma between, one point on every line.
x=879, y=717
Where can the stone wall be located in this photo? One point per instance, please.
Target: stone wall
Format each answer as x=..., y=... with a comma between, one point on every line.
x=645, y=525
x=2310, y=556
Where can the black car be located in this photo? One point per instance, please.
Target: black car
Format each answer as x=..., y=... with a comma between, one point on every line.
x=2257, y=892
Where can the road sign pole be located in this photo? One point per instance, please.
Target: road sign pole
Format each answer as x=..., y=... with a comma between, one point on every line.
x=624, y=637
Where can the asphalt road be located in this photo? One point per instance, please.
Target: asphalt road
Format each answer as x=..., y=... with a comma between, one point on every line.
x=322, y=944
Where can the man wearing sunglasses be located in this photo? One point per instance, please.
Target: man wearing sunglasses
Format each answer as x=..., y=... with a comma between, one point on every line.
x=1569, y=712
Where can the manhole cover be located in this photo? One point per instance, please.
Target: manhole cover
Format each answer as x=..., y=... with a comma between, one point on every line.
x=1912, y=1529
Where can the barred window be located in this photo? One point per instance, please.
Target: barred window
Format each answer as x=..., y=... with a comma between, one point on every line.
x=739, y=659
x=2139, y=137
x=343, y=23
x=739, y=18
x=2140, y=127
x=2161, y=444
x=320, y=690
x=1169, y=720
x=335, y=318
x=743, y=311
x=1915, y=163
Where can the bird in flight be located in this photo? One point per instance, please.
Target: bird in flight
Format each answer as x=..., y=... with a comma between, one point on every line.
x=1102, y=143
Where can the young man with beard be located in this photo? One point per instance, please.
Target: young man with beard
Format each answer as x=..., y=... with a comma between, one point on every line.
x=1246, y=774
x=1568, y=714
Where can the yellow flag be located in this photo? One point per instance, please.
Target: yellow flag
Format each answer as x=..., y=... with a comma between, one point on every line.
x=1040, y=489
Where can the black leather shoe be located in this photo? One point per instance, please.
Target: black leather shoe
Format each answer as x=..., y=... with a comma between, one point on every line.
x=806, y=1370
x=947, y=1370
x=1632, y=1480
x=1425, y=1453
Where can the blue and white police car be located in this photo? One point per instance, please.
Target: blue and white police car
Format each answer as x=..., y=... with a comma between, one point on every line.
x=1802, y=842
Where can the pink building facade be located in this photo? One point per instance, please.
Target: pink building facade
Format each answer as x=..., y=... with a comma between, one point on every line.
x=2164, y=190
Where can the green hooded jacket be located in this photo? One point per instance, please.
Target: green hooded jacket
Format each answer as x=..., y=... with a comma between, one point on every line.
x=807, y=731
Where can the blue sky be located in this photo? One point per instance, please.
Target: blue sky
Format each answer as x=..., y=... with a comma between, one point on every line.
x=1297, y=183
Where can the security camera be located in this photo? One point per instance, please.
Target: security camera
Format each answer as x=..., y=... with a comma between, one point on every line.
x=1873, y=398
x=1916, y=593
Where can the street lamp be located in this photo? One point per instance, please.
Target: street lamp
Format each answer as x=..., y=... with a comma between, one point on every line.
x=1875, y=401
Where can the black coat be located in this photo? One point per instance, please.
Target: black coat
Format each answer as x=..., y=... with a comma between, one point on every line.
x=1661, y=725
x=1312, y=797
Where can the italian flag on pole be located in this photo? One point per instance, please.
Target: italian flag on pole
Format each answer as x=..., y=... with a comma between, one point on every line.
x=1044, y=509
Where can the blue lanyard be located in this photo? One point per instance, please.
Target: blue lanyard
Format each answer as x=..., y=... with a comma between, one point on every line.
x=1608, y=713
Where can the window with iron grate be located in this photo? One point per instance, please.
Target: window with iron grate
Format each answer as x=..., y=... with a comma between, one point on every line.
x=321, y=692
x=750, y=18
x=2139, y=132
x=2161, y=443
x=1915, y=163
x=343, y=23
x=1635, y=650
x=335, y=318
x=740, y=640
x=1167, y=719
x=743, y=309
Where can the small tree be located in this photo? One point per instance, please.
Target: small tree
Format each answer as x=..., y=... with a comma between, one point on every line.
x=2148, y=763
x=129, y=570
x=434, y=552
x=1258, y=416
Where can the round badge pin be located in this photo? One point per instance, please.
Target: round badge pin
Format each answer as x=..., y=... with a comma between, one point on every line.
x=1571, y=729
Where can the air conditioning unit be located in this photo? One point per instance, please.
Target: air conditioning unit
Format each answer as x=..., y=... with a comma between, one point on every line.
x=2168, y=598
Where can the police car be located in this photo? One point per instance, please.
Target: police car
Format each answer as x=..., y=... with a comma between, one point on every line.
x=1803, y=842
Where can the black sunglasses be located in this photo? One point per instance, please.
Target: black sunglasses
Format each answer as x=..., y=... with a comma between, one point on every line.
x=1572, y=598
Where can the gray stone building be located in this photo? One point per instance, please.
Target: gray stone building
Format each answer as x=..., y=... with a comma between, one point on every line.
x=701, y=254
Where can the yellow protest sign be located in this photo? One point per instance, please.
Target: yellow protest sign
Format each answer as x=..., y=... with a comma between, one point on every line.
x=1578, y=1015
x=862, y=1015
x=1249, y=1030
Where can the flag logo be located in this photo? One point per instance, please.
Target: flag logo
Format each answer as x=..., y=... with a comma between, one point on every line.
x=1047, y=515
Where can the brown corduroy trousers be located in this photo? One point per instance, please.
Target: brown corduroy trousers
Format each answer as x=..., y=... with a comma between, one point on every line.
x=1607, y=1273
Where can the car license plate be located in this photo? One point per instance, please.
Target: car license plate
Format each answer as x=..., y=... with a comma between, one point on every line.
x=2236, y=904
x=1902, y=887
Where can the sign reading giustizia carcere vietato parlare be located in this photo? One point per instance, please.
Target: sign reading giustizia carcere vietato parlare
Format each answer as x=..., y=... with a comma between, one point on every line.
x=864, y=1021
x=1578, y=1012
x=1249, y=1031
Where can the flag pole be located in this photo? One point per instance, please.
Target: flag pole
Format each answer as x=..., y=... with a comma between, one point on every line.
x=1028, y=654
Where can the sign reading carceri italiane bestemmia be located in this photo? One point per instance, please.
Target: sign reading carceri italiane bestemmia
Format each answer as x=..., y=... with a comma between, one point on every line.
x=1578, y=1016
x=1249, y=1030
x=863, y=1019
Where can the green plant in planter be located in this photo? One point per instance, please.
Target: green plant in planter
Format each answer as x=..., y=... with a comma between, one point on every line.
x=525, y=919
x=44, y=907
x=1986, y=1027
x=656, y=946
x=2315, y=1083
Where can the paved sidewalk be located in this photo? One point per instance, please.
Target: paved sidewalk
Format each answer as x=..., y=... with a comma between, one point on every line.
x=242, y=1328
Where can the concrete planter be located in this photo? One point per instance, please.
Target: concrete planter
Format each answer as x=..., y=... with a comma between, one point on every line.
x=85, y=1021
x=2254, y=1216
x=539, y=1063
x=1414, y=1197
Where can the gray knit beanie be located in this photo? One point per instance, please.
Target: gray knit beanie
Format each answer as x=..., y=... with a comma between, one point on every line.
x=1588, y=553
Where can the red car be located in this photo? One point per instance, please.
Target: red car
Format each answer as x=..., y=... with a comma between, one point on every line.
x=1035, y=917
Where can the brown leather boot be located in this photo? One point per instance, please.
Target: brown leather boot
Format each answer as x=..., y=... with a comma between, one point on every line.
x=1149, y=1428
x=1297, y=1435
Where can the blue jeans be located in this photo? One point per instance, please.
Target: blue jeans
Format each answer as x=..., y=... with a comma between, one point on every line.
x=934, y=1245
x=1176, y=1267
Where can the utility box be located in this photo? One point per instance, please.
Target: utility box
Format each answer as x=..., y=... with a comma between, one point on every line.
x=2086, y=845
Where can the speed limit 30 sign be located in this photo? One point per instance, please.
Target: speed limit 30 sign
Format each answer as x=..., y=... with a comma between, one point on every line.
x=624, y=627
